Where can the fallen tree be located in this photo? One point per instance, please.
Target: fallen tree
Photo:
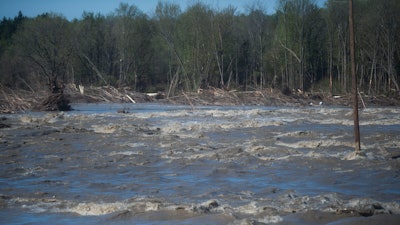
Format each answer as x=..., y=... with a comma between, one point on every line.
x=55, y=102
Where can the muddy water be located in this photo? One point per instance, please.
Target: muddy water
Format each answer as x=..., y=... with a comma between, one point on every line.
x=162, y=164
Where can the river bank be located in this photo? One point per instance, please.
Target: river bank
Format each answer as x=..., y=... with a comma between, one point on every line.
x=12, y=101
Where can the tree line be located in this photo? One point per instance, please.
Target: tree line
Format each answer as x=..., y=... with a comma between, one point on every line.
x=300, y=47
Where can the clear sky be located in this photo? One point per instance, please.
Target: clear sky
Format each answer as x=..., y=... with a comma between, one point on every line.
x=74, y=8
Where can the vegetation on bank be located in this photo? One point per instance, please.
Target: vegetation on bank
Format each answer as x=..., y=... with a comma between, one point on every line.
x=301, y=48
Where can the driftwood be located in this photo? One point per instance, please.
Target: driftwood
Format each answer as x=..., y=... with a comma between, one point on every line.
x=55, y=102
x=215, y=96
x=12, y=101
x=106, y=94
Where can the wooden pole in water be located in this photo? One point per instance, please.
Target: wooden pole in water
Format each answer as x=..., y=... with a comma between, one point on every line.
x=354, y=80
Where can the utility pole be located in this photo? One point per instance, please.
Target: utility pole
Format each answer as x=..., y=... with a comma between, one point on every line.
x=354, y=81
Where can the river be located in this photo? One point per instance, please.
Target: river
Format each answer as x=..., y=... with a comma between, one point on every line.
x=168, y=164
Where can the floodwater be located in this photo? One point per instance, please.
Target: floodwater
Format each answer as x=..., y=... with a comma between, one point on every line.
x=162, y=164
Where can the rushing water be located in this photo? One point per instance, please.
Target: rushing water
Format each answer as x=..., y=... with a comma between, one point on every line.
x=160, y=164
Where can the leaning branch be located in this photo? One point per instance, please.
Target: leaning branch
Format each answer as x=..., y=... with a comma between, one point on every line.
x=98, y=73
x=291, y=51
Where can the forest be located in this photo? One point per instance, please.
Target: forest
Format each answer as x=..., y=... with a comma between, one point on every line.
x=301, y=47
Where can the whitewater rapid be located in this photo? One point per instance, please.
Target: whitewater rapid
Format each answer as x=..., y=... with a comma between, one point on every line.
x=165, y=164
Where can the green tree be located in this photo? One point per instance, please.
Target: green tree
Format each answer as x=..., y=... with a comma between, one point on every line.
x=377, y=32
x=11, y=68
x=260, y=29
x=223, y=42
x=297, y=47
x=92, y=50
x=389, y=26
x=45, y=44
x=167, y=15
x=8, y=27
x=126, y=34
x=194, y=45
x=298, y=35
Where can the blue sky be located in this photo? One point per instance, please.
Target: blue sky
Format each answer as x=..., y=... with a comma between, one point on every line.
x=74, y=8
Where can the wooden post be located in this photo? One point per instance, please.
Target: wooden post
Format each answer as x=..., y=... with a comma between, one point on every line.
x=354, y=80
